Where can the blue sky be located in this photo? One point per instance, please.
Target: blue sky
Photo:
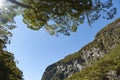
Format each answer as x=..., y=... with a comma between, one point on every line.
x=35, y=50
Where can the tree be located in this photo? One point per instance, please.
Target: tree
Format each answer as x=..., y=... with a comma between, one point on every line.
x=63, y=16
x=7, y=22
x=8, y=69
x=66, y=15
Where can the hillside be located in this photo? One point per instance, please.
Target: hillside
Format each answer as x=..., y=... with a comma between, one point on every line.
x=107, y=68
x=99, y=60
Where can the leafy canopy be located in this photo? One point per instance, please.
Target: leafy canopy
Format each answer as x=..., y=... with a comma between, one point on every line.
x=63, y=16
x=7, y=13
x=8, y=68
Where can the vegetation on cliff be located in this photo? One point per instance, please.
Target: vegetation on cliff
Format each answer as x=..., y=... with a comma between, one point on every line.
x=106, y=68
x=99, y=60
x=104, y=39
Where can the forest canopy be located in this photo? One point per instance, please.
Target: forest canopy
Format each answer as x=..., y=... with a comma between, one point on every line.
x=63, y=16
x=56, y=16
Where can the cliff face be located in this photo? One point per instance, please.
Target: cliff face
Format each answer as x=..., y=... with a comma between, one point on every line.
x=105, y=41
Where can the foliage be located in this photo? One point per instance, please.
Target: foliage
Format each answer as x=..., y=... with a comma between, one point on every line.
x=8, y=69
x=63, y=16
x=7, y=23
x=99, y=70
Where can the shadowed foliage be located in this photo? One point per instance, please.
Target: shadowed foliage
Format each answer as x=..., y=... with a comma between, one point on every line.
x=8, y=68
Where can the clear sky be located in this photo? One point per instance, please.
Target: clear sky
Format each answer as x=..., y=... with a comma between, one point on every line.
x=35, y=50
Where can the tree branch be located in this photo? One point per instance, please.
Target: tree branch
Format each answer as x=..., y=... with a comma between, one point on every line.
x=20, y=4
x=87, y=15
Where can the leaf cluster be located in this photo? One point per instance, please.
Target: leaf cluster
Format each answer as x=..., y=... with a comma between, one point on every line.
x=66, y=15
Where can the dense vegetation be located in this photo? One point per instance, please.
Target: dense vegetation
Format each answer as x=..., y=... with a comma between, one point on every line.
x=106, y=68
x=62, y=16
x=8, y=68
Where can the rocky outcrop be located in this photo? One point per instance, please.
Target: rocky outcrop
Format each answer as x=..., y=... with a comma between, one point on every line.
x=103, y=43
x=113, y=75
